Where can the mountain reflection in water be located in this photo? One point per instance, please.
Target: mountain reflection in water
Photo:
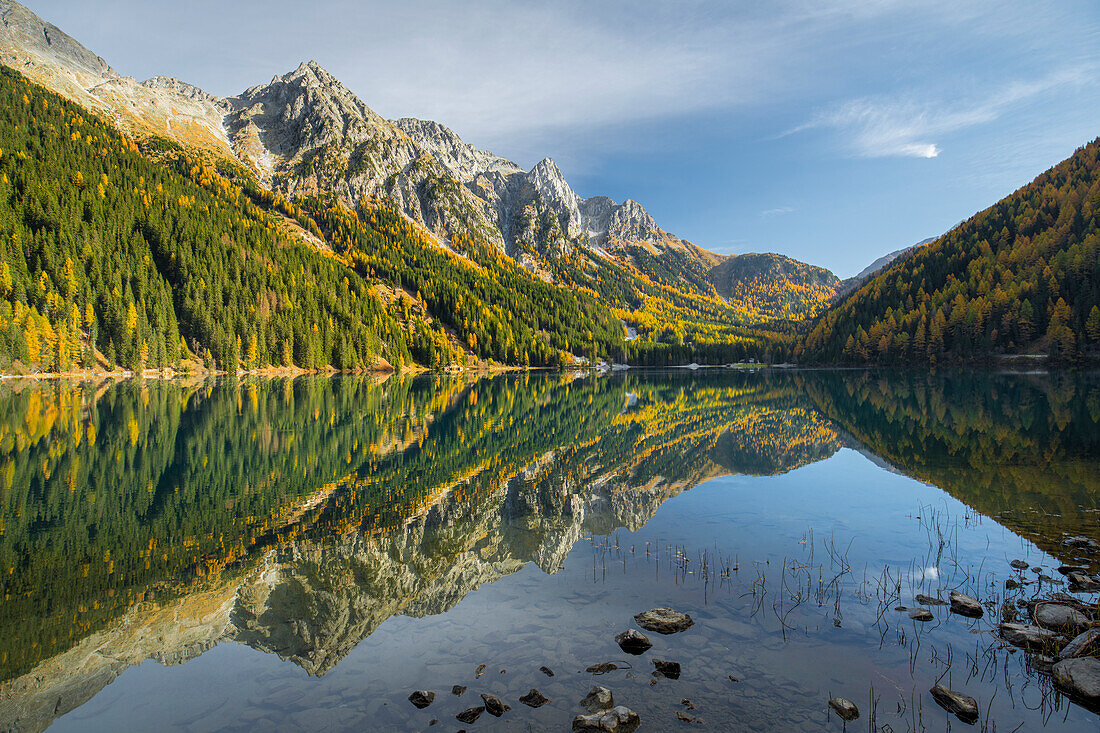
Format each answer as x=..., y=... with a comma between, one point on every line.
x=157, y=519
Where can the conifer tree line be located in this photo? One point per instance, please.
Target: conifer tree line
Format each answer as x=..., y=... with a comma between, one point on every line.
x=1023, y=276
x=103, y=249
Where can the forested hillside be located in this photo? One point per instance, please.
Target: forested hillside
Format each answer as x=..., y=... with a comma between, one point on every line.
x=101, y=247
x=1023, y=276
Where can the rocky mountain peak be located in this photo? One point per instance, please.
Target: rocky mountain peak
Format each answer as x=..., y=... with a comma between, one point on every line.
x=22, y=31
x=552, y=187
x=181, y=88
x=462, y=160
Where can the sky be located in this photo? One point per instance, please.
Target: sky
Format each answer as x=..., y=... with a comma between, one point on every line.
x=832, y=131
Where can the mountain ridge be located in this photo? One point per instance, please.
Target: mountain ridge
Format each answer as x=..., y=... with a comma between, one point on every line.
x=305, y=133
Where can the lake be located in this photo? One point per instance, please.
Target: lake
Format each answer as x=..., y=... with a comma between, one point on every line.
x=302, y=554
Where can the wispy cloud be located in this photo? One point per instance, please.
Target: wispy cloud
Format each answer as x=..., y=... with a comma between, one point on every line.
x=777, y=210
x=876, y=127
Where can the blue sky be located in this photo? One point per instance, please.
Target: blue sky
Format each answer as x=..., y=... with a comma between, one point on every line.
x=829, y=130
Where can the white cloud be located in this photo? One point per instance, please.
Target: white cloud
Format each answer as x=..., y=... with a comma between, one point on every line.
x=876, y=127
x=777, y=210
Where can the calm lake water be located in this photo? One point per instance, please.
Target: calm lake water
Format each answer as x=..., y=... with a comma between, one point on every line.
x=302, y=554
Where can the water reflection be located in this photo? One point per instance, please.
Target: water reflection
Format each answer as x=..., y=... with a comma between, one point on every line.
x=158, y=519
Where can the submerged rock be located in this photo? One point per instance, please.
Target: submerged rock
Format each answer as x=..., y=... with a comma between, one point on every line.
x=598, y=699
x=1079, y=678
x=667, y=669
x=494, y=705
x=663, y=620
x=1082, y=582
x=1081, y=645
x=1019, y=564
x=1027, y=636
x=845, y=708
x=964, y=707
x=546, y=671
x=616, y=720
x=633, y=642
x=1059, y=617
x=602, y=668
x=965, y=605
x=921, y=614
x=924, y=601
x=1067, y=569
x=458, y=690
x=534, y=699
x=422, y=698
x=469, y=715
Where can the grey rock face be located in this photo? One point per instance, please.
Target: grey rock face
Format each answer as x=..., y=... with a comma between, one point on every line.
x=21, y=29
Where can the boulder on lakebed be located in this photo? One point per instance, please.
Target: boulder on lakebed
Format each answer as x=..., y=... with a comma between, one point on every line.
x=663, y=620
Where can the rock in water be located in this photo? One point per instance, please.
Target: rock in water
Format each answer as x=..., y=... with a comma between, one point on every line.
x=667, y=669
x=494, y=705
x=845, y=708
x=1081, y=645
x=534, y=699
x=422, y=698
x=469, y=715
x=546, y=671
x=921, y=614
x=633, y=642
x=616, y=720
x=663, y=620
x=602, y=668
x=1057, y=617
x=1079, y=678
x=1019, y=564
x=458, y=690
x=965, y=605
x=924, y=601
x=963, y=706
x=1083, y=583
x=598, y=699
x=1029, y=637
